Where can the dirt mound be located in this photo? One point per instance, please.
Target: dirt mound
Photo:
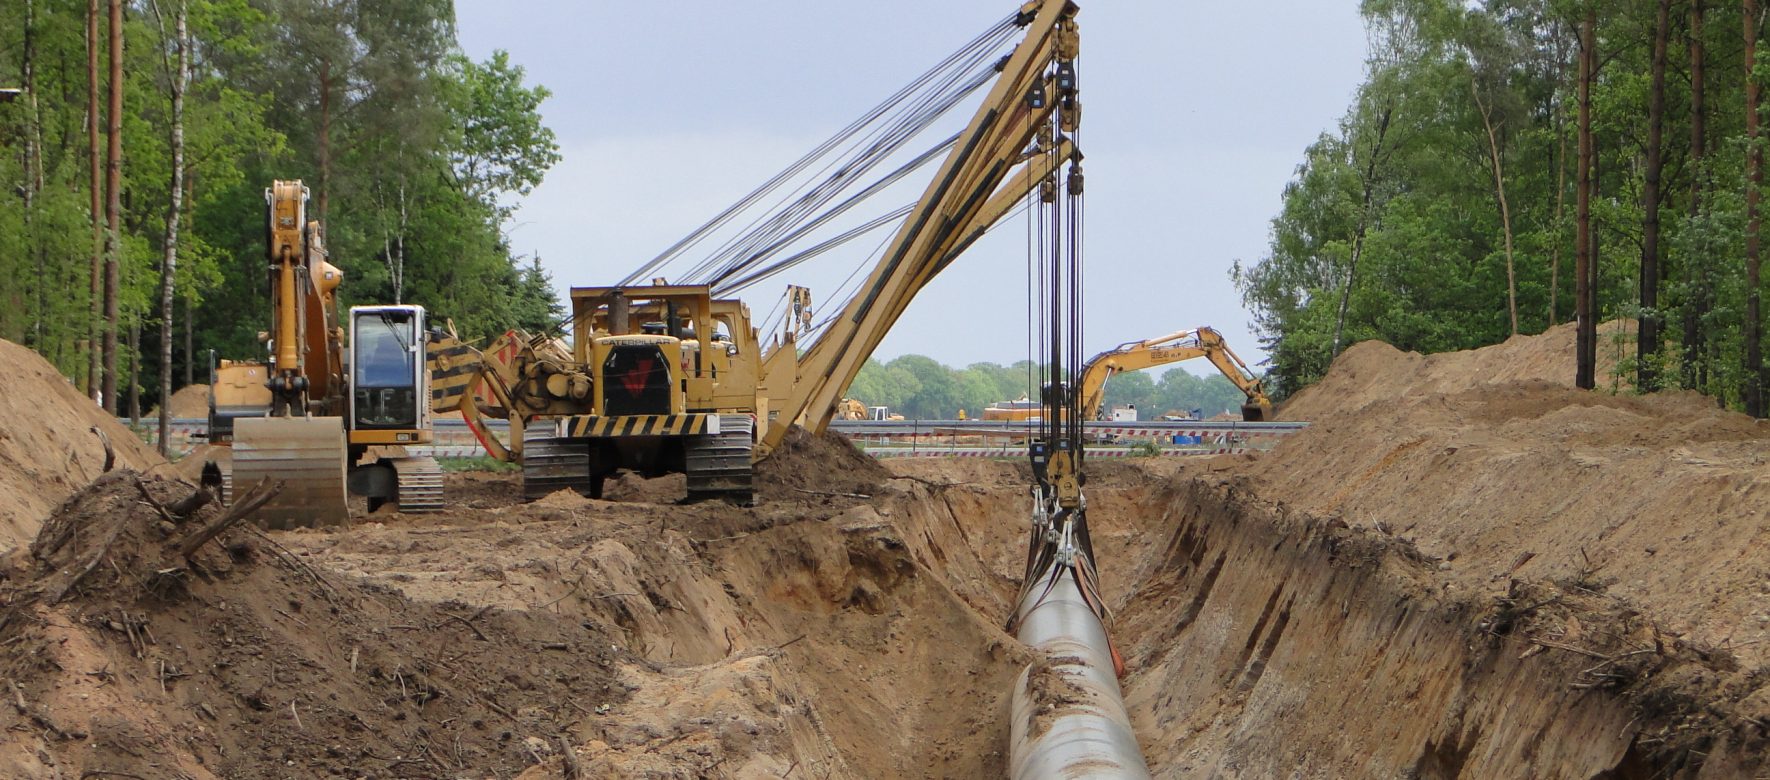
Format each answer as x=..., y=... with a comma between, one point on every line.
x=826, y=463
x=47, y=448
x=124, y=655
x=830, y=638
x=190, y=402
x=1634, y=523
x=1372, y=372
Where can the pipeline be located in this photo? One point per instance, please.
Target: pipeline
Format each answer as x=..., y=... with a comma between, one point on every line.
x=1069, y=718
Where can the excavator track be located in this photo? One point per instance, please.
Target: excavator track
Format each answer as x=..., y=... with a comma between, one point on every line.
x=420, y=483
x=719, y=464
x=307, y=454
x=552, y=463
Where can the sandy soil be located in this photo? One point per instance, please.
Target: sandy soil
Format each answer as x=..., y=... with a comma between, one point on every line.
x=189, y=402
x=1464, y=568
x=47, y=447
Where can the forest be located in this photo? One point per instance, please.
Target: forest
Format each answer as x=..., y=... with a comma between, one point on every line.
x=1511, y=165
x=1505, y=167
x=921, y=388
x=137, y=139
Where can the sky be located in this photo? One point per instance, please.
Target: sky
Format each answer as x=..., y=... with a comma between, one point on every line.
x=1195, y=116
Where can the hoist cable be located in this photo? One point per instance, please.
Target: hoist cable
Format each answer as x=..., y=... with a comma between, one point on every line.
x=982, y=41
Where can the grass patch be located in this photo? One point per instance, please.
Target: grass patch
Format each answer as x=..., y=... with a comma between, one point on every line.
x=484, y=463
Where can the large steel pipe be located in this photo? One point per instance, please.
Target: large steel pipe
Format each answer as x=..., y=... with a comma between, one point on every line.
x=1069, y=716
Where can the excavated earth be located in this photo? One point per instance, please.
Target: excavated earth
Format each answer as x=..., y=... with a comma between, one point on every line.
x=1463, y=568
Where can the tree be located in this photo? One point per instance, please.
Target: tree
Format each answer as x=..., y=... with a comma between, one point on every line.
x=1586, y=344
x=1696, y=284
x=95, y=323
x=92, y=239
x=1489, y=66
x=174, y=211
x=113, y=278
x=1647, y=346
x=1754, y=359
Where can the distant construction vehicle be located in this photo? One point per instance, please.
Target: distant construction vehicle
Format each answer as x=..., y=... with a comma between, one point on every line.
x=674, y=378
x=1021, y=409
x=322, y=421
x=1172, y=348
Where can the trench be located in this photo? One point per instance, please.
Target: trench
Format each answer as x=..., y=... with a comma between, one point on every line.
x=866, y=640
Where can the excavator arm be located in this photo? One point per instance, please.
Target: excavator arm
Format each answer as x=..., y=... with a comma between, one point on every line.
x=976, y=186
x=1173, y=348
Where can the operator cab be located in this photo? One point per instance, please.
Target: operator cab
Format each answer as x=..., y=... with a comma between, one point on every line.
x=388, y=382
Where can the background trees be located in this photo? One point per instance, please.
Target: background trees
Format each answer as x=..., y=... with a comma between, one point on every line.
x=921, y=389
x=414, y=153
x=1438, y=211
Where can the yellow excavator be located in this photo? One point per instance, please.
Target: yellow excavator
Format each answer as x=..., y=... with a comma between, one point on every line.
x=661, y=378
x=323, y=421
x=1172, y=348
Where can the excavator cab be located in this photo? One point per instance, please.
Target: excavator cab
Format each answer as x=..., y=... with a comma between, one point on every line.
x=389, y=383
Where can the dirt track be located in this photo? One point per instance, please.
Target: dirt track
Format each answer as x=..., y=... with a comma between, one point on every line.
x=1463, y=569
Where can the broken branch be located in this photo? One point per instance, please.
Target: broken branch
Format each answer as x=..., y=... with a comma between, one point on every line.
x=256, y=497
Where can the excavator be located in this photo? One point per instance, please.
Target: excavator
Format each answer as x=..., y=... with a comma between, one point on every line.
x=665, y=378
x=1172, y=348
x=323, y=420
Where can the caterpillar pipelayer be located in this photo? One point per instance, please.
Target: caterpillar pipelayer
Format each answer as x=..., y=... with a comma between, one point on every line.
x=322, y=420
x=658, y=379
x=666, y=378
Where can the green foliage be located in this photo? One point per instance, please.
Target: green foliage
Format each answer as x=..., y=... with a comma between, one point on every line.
x=425, y=152
x=1431, y=275
x=920, y=388
x=1146, y=449
x=482, y=463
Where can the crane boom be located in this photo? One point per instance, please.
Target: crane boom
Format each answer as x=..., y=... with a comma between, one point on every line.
x=976, y=185
x=1173, y=348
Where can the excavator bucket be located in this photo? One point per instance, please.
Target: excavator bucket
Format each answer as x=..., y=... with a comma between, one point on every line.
x=308, y=455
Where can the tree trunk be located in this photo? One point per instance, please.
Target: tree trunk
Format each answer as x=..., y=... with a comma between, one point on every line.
x=33, y=173
x=190, y=299
x=1754, y=173
x=399, y=247
x=1364, y=215
x=1647, y=344
x=1560, y=211
x=1499, y=191
x=174, y=210
x=1586, y=342
x=1696, y=303
x=325, y=140
x=190, y=354
x=113, y=210
x=95, y=299
x=135, y=374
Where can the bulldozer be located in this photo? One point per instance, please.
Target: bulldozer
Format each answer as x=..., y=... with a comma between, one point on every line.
x=331, y=410
x=1172, y=348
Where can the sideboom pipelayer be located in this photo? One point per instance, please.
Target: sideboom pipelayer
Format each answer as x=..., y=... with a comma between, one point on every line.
x=664, y=378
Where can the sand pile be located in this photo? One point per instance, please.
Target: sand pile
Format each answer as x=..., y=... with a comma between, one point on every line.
x=1373, y=372
x=47, y=448
x=188, y=403
x=125, y=656
x=827, y=463
x=1606, y=508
